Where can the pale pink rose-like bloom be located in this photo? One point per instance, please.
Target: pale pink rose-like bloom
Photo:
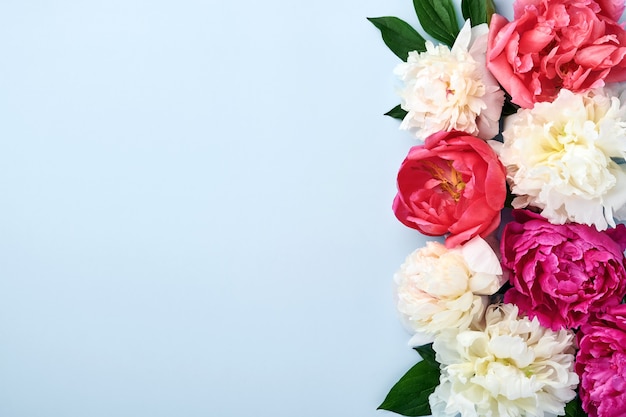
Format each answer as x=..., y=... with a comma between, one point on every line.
x=601, y=363
x=438, y=288
x=451, y=89
x=553, y=44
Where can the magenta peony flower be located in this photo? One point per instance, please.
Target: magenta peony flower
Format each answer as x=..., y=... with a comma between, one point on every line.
x=455, y=184
x=562, y=273
x=555, y=44
x=601, y=363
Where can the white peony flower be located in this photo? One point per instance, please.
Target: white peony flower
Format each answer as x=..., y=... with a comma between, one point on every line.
x=515, y=367
x=448, y=90
x=437, y=288
x=559, y=158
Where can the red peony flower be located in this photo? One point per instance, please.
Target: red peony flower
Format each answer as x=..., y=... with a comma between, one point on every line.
x=555, y=44
x=601, y=363
x=455, y=184
x=562, y=273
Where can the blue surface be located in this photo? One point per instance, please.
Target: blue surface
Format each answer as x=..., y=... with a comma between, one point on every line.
x=195, y=209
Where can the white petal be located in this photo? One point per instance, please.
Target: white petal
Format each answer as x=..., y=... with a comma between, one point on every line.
x=480, y=257
x=462, y=41
x=421, y=339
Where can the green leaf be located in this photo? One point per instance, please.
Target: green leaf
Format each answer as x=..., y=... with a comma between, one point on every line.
x=574, y=408
x=399, y=36
x=465, y=5
x=438, y=19
x=397, y=113
x=409, y=396
x=428, y=354
x=477, y=11
x=491, y=10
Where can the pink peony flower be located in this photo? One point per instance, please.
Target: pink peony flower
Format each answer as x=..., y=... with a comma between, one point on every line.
x=562, y=273
x=601, y=363
x=554, y=44
x=451, y=89
x=455, y=184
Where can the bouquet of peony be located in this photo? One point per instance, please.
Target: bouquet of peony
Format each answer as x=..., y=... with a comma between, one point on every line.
x=521, y=166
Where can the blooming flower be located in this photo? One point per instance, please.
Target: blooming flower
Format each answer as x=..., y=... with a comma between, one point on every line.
x=559, y=158
x=438, y=288
x=451, y=89
x=514, y=367
x=443, y=186
x=555, y=44
x=562, y=273
x=601, y=363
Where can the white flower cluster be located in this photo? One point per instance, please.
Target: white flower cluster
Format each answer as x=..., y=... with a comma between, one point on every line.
x=438, y=288
x=451, y=89
x=561, y=158
x=515, y=367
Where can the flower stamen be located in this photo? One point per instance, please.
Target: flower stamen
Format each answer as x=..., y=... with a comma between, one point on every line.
x=450, y=181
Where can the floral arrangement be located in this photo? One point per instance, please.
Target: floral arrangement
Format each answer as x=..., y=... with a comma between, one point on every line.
x=521, y=167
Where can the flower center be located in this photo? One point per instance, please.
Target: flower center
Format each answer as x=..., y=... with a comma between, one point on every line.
x=450, y=180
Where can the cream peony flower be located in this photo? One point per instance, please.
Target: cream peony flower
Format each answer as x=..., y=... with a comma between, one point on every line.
x=438, y=288
x=560, y=158
x=448, y=90
x=514, y=367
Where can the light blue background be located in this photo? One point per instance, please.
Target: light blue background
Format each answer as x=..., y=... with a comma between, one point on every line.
x=195, y=209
